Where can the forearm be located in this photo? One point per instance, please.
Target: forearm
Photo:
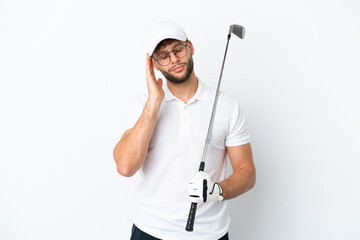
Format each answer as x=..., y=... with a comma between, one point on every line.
x=130, y=152
x=239, y=182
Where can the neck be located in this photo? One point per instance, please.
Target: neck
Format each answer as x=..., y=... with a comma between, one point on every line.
x=186, y=90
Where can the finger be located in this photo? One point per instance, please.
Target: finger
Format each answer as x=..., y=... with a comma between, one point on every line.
x=192, y=187
x=195, y=199
x=148, y=62
x=195, y=183
x=203, y=174
x=149, y=67
x=160, y=82
x=194, y=195
x=199, y=176
x=194, y=192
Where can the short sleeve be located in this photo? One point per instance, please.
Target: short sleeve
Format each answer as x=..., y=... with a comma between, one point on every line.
x=237, y=132
x=134, y=111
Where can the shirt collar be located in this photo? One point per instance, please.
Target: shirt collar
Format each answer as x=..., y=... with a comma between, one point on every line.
x=202, y=93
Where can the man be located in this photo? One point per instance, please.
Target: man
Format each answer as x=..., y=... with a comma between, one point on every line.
x=165, y=140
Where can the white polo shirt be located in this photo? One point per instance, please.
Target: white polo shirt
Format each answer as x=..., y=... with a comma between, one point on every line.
x=174, y=155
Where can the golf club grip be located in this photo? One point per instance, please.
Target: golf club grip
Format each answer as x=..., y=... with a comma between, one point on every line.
x=191, y=218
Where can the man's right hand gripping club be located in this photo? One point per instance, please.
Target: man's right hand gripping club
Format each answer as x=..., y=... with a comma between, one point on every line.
x=202, y=189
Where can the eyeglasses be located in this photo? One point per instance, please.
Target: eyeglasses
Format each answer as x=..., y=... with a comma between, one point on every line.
x=180, y=51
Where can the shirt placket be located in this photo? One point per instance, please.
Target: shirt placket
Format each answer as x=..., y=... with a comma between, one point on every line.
x=185, y=120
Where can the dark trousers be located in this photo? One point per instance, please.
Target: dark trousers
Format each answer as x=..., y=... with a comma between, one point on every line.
x=137, y=234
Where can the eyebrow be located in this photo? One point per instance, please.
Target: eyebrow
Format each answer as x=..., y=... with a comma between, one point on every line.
x=161, y=52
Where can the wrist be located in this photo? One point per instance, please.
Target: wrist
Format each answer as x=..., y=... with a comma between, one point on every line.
x=222, y=186
x=152, y=108
x=154, y=101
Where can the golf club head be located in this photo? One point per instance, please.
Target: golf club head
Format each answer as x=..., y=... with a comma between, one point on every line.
x=237, y=30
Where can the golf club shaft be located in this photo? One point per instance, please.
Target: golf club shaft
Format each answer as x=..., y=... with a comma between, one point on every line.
x=191, y=217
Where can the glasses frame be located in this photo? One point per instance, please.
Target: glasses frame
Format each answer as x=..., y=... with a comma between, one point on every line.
x=168, y=53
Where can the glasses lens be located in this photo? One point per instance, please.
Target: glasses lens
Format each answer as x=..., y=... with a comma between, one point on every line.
x=180, y=51
x=163, y=59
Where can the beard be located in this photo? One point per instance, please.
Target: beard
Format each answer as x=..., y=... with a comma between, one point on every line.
x=178, y=80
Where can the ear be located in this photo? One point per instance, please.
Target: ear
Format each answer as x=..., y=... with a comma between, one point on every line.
x=191, y=46
x=154, y=64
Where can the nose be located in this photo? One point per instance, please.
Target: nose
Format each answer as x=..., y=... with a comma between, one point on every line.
x=173, y=57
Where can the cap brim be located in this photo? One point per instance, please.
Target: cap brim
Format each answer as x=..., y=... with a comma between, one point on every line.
x=154, y=44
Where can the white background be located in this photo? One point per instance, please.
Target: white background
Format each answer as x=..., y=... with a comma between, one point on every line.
x=68, y=70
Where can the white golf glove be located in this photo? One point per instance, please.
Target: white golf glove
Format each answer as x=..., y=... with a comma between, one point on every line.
x=202, y=189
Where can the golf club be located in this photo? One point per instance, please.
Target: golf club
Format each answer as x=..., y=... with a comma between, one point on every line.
x=240, y=32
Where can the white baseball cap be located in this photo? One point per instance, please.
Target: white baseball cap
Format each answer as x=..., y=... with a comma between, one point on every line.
x=163, y=30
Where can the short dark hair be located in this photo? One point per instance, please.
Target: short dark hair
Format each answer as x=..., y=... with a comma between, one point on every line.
x=165, y=42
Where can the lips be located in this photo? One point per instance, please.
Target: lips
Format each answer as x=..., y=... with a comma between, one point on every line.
x=178, y=69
